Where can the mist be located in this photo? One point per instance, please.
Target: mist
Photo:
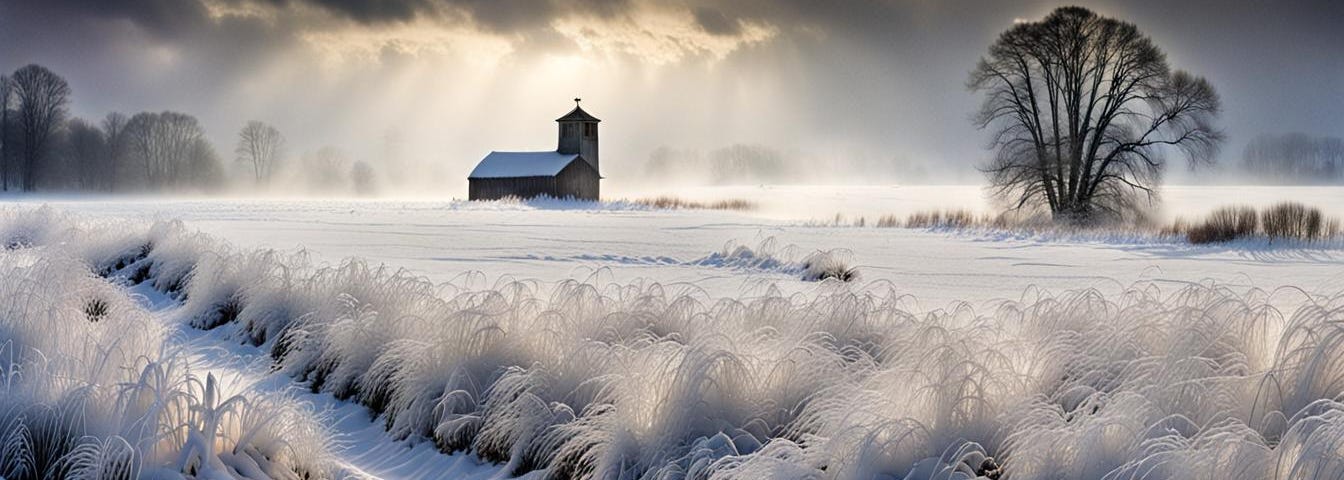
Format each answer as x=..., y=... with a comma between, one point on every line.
x=702, y=93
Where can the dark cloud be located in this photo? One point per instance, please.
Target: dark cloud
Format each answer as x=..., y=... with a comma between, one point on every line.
x=894, y=68
x=167, y=18
x=715, y=22
x=376, y=11
x=491, y=15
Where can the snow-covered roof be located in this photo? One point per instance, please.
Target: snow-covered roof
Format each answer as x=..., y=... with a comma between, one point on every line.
x=522, y=164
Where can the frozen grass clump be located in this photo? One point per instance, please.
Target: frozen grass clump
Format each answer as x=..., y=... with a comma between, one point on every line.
x=89, y=388
x=828, y=265
x=26, y=228
x=769, y=256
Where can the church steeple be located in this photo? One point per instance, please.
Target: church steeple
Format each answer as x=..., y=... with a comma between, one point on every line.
x=578, y=134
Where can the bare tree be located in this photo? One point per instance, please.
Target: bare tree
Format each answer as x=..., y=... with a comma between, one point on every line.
x=140, y=143
x=362, y=178
x=172, y=149
x=260, y=145
x=115, y=145
x=6, y=99
x=325, y=169
x=1083, y=109
x=85, y=154
x=42, y=97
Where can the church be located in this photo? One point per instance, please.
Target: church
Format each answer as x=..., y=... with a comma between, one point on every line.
x=568, y=172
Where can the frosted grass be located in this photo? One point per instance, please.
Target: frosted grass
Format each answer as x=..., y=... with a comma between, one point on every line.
x=648, y=380
x=90, y=390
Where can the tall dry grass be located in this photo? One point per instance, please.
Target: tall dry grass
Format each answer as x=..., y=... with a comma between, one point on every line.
x=1289, y=221
x=667, y=202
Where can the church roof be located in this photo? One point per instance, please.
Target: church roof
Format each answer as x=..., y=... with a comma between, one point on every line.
x=577, y=115
x=522, y=164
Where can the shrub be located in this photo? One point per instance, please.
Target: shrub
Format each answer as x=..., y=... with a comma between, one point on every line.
x=1223, y=225
x=1292, y=220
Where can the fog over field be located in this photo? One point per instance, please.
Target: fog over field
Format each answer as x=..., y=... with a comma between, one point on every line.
x=867, y=92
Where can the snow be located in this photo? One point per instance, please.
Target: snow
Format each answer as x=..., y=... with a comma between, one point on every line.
x=442, y=239
x=522, y=164
x=633, y=341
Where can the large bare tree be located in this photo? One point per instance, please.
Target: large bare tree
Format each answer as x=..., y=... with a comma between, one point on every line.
x=1082, y=110
x=260, y=145
x=42, y=97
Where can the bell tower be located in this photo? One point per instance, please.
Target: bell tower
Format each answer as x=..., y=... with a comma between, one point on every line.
x=578, y=134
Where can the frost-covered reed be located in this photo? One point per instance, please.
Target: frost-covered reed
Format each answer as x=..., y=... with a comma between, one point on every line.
x=89, y=387
x=646, y=380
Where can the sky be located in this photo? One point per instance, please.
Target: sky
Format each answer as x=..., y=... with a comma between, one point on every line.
x=864, y=88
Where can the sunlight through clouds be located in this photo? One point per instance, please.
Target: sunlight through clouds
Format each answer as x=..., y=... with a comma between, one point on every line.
x=659, y=37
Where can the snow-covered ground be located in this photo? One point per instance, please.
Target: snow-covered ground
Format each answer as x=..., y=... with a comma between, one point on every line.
x=595, y=340
x=442, y=240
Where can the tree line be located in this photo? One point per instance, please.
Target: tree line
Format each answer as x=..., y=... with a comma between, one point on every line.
x=44, y=148
x=1294, y=158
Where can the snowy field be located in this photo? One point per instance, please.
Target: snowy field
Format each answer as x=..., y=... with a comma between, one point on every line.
x=237, y=339
x=550, y=242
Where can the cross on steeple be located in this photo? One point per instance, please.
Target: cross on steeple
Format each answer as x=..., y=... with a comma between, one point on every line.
x=577, y=100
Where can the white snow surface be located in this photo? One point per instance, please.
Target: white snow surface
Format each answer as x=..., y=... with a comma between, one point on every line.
x=522, y=164
x=552, y=240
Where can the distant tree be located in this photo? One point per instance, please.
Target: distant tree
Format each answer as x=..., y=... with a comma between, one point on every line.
x=1082, y=109
x=172, y=149
x=362, y=178
x=6, y=100
x=115, y=146
x=203, y=168
x=42, y=97
x=260, y=146
x=325, y=169
x=85, y=156
x=140, y=143
x=748, y=164
x=1294, y=158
